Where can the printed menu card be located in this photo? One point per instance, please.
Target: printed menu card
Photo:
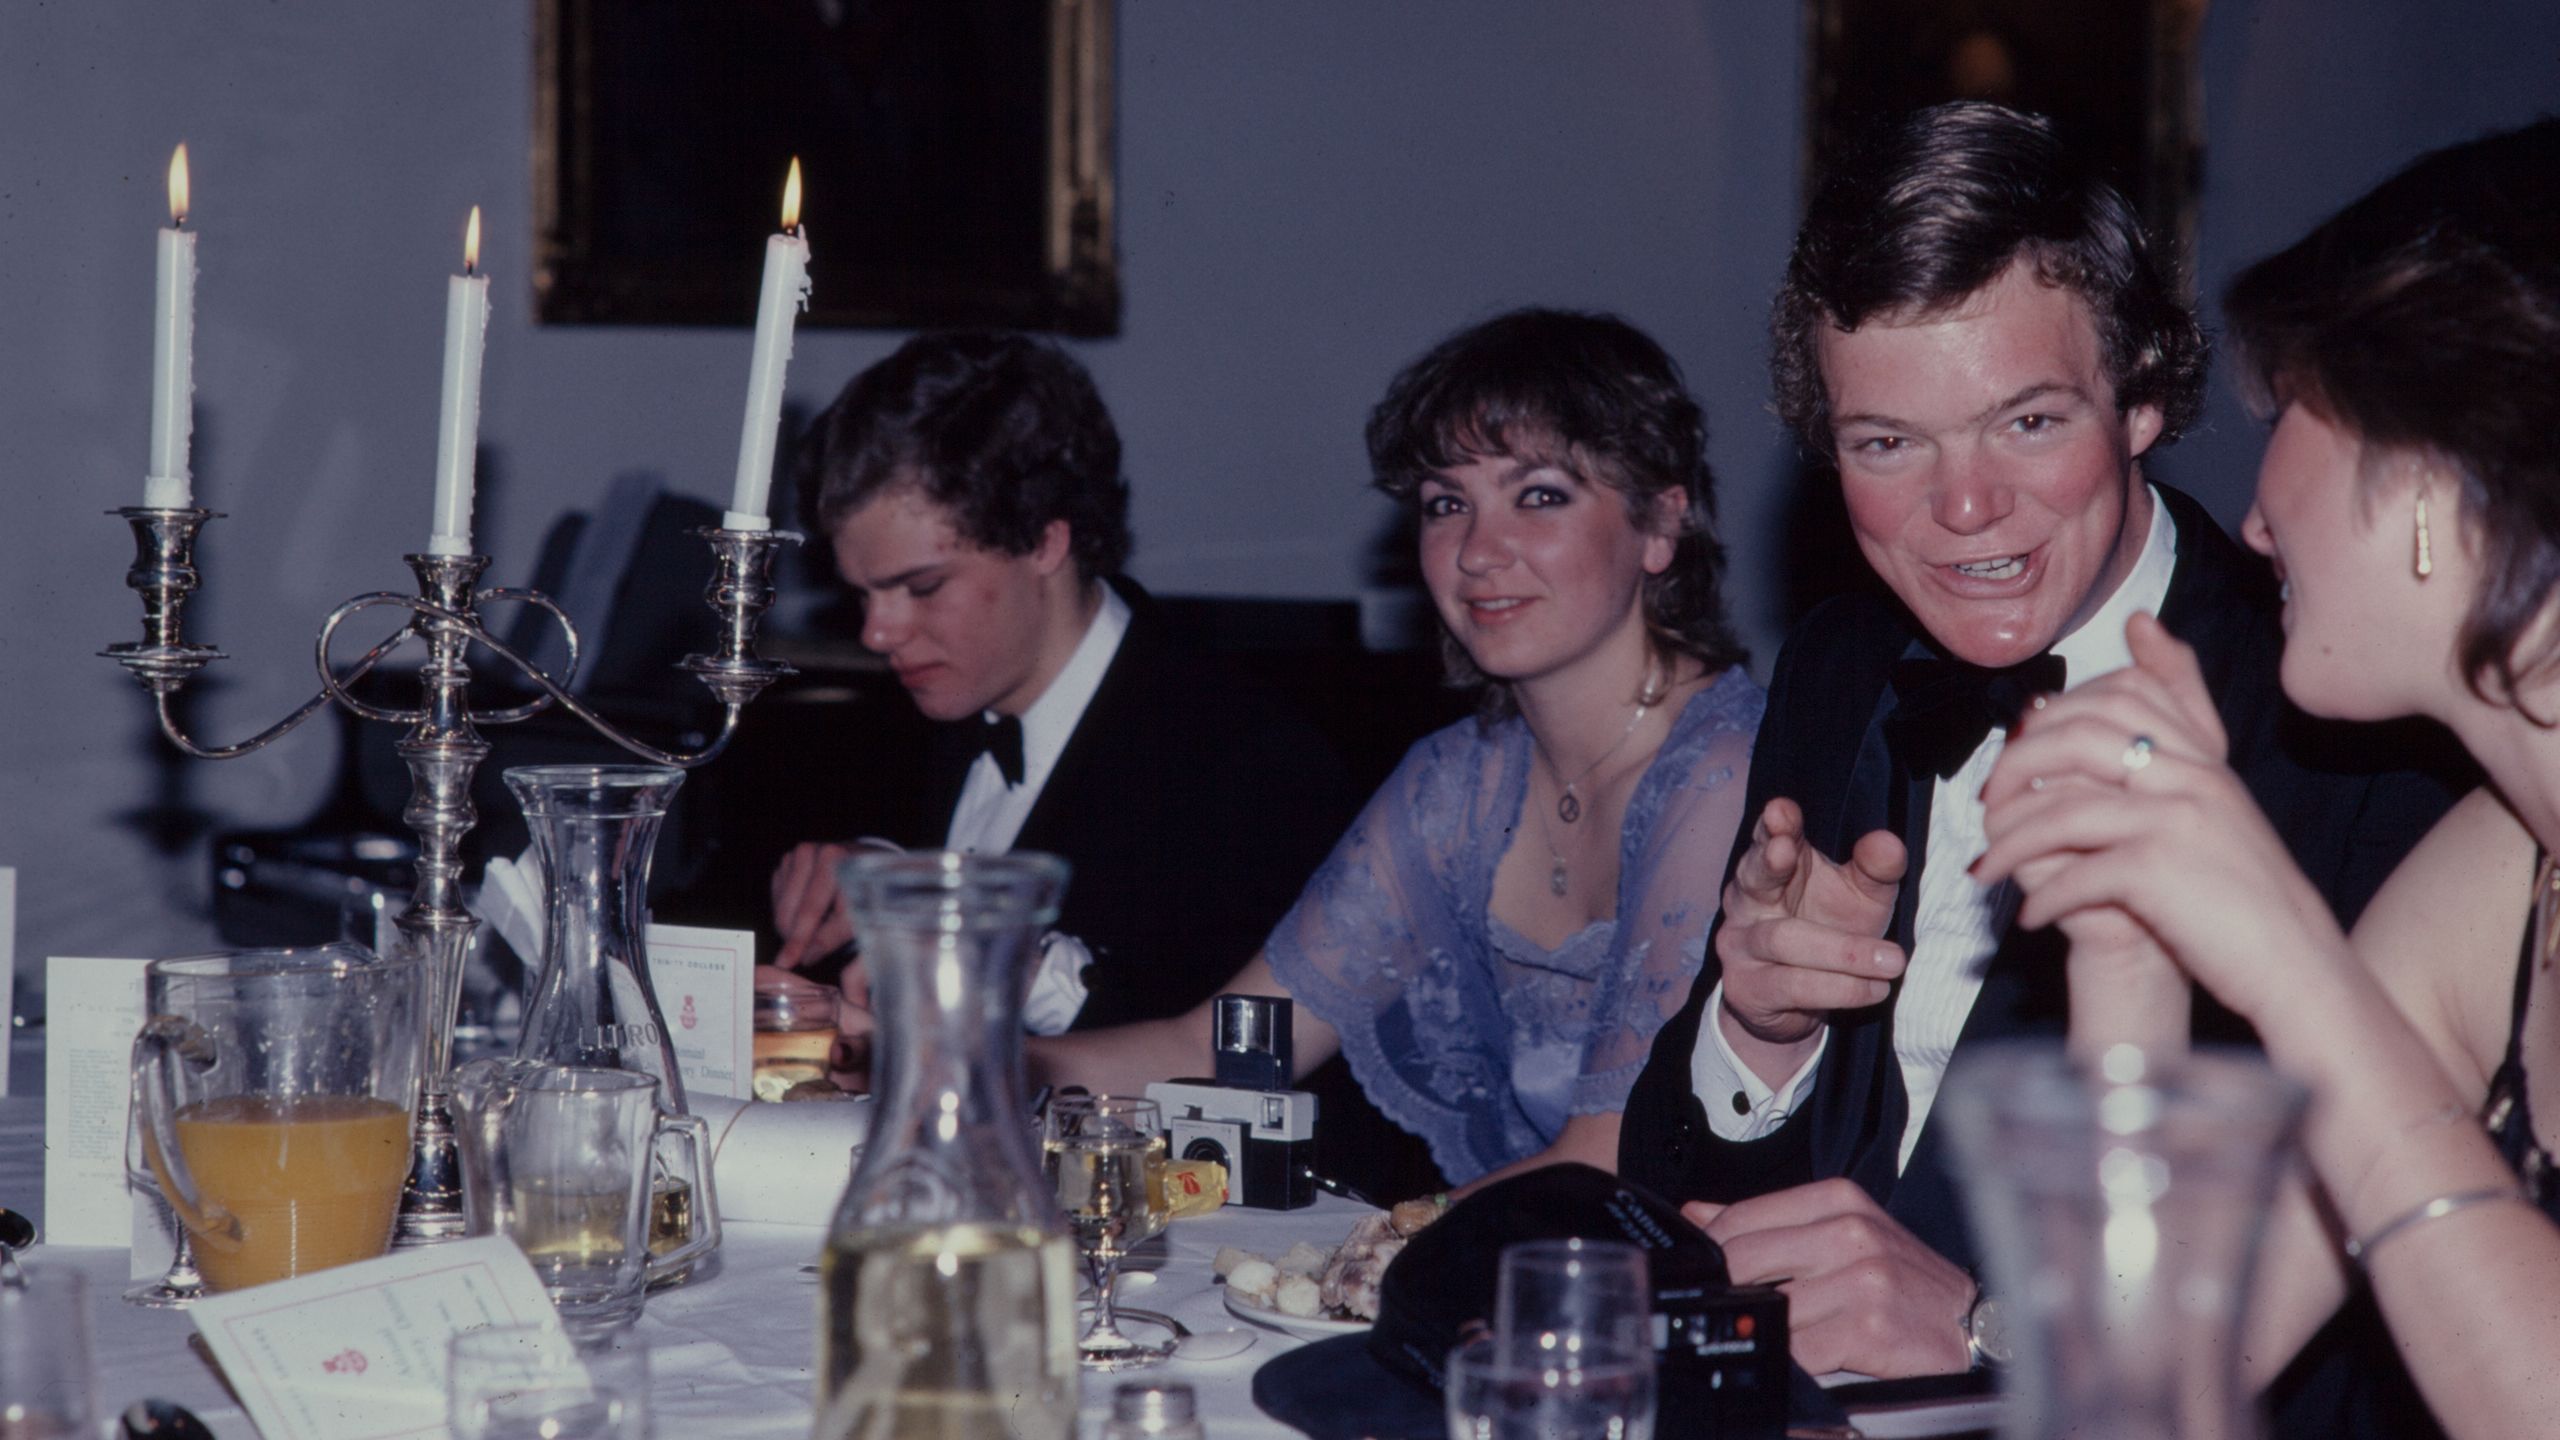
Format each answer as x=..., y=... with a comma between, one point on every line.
x=92, y=1006
x=358, y=1352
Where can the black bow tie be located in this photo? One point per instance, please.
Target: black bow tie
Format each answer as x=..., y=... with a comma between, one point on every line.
x=1946, y=707
x=1000, y=737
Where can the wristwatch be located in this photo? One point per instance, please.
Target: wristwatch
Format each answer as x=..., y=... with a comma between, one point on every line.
x=1987, y=1342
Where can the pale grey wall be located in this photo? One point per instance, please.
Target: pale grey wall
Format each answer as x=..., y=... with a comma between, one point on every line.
x=1310, y=193
x=2309, y=103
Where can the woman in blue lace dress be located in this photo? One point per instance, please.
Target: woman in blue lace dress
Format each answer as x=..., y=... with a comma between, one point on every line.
x=2409, y=349
x=1523, y=903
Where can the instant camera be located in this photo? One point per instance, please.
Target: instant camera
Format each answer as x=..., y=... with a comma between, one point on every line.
x=1245, y=1116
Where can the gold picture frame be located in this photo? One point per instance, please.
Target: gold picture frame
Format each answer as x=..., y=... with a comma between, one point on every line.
x=2117, y=76
x=957, y=159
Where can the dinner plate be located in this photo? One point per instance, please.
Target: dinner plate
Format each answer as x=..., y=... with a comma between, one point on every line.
x=1305, y=1327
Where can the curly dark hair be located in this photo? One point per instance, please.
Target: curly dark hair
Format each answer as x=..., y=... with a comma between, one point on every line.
x=1004, y=431
x=1595, y=396
x=2425, y=318
x=1932, y=206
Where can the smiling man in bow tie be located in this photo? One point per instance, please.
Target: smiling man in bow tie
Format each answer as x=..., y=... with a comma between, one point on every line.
x=1973, y=333
x=970, y=486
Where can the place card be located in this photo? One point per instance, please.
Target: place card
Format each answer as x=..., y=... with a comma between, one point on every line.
x=8, y=968
x=359, y=1352
x=706, y=985
x=92, y=1006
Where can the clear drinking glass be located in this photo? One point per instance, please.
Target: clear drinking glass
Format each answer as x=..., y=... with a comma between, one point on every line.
x=274, y=1089
x=537, y=1382
x=1571, y=1301
x=48, y=1388
x=1106, y=1156
x=795, y=1031
x=1493, y=1395
x=2120, y=1204
x=560, y=1159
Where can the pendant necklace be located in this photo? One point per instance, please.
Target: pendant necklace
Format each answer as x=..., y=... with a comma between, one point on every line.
x=1557, y=880
x=1568, y=804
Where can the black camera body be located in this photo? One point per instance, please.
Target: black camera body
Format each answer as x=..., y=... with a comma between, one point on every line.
x=1729, y=1345
x=1245, y=1116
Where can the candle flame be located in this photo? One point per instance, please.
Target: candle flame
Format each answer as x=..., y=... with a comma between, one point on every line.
x=178, y=186
x=471, y=243
x=791, y=197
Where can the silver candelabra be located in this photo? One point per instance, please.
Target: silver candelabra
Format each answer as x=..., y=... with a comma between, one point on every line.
x=442, y=749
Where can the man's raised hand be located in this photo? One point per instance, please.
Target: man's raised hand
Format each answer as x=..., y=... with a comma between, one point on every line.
x=1802, y=937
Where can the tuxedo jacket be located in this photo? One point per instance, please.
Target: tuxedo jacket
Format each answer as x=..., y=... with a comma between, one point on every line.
x=1192, y=803
x=2349, y=801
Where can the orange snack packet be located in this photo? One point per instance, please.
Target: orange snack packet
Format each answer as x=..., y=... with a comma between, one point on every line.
x=1194, y=1187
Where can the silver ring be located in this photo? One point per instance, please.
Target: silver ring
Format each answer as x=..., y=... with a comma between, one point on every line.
x=2137, y=754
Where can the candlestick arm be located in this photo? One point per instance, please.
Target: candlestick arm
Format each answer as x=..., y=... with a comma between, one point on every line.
x=165, y=697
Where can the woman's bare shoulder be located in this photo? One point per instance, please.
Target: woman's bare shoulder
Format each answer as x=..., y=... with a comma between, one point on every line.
x=2442, y=933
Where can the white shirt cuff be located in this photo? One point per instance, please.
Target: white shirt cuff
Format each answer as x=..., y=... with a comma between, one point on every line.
x=1057, y=985
x=1738, y=1105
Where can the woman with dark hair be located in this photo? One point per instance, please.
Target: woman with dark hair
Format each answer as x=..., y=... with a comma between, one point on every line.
x=1522, y=905
x=2410, y=498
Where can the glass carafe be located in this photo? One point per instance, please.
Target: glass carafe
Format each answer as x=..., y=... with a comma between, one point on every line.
x=948, y=1283
x=594, y=827
x=2121, y=1202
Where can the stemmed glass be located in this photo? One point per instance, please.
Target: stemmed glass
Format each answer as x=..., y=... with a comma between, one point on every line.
x=183, y=1284
x=1105, y=1155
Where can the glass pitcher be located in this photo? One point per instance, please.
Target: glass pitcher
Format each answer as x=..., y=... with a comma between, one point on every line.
x=947, y=1289
x=2121, y=1202
x=274, y=1090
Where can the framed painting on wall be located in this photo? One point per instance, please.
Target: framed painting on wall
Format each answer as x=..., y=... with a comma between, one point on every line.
x=956, y=158
x=2117, y=76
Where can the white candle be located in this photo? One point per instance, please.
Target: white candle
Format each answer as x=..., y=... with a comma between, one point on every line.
x=173, y=386
x=466, y=328
x=786, y=292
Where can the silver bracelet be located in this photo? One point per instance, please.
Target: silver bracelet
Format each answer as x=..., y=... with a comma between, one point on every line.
x=2360, y=1246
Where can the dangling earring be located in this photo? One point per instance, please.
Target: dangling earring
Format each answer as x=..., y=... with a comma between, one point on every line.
x=2426, y=565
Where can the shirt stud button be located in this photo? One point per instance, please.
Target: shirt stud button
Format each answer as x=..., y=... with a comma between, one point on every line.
x=1741, y=1103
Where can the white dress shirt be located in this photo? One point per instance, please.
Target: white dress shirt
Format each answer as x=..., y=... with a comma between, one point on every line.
x=990, y=813
x=1957, y=924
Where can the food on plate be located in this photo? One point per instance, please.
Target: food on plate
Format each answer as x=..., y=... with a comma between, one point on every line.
x=1312, y=1282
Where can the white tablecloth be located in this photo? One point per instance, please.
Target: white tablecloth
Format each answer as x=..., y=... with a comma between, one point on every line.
x=732, y=1351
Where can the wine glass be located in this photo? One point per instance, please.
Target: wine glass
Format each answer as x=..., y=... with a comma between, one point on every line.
x=1105, y=1155
x=182, y=1284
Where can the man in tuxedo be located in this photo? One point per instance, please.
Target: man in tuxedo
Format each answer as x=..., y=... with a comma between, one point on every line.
x=970, y=485
x=1972, y=331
